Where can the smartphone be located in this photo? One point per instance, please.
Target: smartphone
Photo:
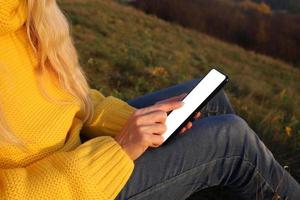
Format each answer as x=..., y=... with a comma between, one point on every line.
x=194, y=101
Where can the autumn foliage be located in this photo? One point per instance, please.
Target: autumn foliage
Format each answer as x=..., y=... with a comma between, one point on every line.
x=252, y=25
x=260, y=8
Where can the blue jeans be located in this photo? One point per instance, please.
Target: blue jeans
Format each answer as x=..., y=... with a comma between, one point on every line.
x=219, y=150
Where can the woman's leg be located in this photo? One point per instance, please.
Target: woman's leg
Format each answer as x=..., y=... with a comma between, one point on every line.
x=219, y=150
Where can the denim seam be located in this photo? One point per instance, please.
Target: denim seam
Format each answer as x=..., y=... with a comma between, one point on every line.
x=256, y=169
x=258, y=172
x=171, y=179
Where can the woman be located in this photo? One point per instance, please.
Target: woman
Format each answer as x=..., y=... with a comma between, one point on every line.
x=46, y=103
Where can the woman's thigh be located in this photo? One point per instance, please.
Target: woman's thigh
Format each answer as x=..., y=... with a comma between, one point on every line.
x=209, y=154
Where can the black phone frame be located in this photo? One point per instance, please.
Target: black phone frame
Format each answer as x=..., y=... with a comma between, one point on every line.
x=190, y=117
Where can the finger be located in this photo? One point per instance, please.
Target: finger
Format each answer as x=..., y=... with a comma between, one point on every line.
x=156, y=140
x=189, y=125
x=154, y=129
x=181, y=96
x=197, y=115
x=175, y=98
x=167, y=106
x=182, y=130
x=157, y=116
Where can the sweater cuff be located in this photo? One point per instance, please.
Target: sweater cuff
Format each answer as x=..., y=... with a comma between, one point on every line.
x=110, y=117
x=105, y=165
x=113, y=174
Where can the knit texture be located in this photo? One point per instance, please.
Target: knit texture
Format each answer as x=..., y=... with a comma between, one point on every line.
x=55, y=165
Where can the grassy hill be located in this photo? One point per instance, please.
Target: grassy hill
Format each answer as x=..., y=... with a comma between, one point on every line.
x=127, y=53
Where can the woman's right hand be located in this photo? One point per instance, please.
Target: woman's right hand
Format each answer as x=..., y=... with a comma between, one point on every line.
x=144, y=128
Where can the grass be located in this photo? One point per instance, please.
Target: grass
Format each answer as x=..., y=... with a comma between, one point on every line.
x=127, y=53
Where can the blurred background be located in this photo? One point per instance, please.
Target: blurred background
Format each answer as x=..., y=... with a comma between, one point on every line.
x=132, y=47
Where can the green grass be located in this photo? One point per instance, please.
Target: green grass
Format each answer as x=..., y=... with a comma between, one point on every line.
x=127, y=53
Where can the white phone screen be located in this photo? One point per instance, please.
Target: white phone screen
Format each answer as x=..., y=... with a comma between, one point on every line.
x=191, y=102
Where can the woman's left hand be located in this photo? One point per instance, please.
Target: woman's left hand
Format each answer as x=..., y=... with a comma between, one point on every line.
x=179, y=98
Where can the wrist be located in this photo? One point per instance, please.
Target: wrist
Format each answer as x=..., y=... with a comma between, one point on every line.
x=119, y=139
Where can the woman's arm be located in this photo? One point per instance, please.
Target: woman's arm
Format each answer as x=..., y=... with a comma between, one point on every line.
x=97, y=169
x=110, y=115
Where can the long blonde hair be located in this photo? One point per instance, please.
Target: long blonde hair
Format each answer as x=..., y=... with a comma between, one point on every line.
x=49, y=34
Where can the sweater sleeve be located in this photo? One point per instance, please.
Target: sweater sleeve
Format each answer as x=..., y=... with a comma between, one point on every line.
x=110, y=115
x=97, y=169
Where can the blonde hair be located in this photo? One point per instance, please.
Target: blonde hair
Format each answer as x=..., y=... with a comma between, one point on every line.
x=49, y=34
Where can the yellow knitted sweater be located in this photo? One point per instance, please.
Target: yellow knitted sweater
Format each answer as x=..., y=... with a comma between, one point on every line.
x=57, y=165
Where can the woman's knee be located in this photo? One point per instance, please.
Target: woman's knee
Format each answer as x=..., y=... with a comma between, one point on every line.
x=240, y=137
x=235, y=122
x=227, y=133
